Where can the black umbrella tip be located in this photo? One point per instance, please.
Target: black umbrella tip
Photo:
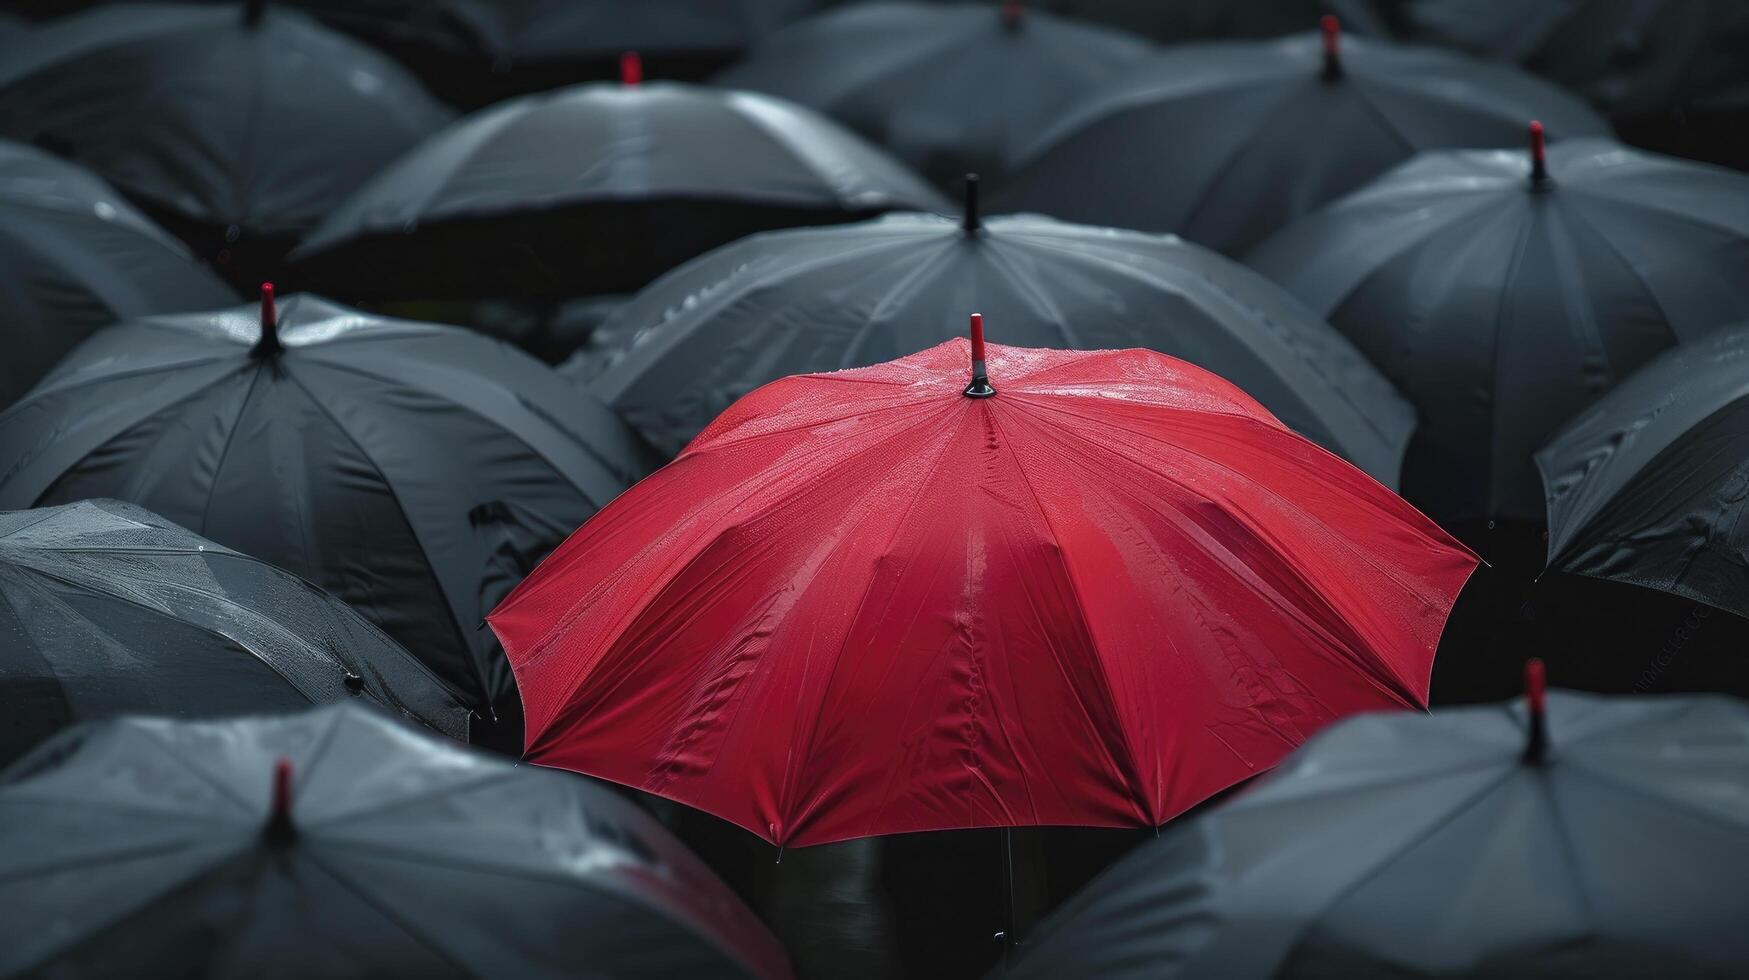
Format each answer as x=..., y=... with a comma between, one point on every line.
x=253, y=11
x=970, y=218
x=1331, y=26
x=268, y=344
x=1013, y=13
x=1539, y=156
x=279, y=818
x=1536, y=745
x=980, y=386
x=631, y=68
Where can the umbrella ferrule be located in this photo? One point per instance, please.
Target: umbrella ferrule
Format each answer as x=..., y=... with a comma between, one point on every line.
x=268, y=345
x=1331, y=28
x=279, y=827
x=1013, y=13
x=631, y=69
x=980, y=386
x=970, y=218
x=1536, y=745
x=1539, y=158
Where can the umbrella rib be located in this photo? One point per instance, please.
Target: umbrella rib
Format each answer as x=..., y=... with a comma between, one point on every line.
x=382, y=909
x=1129, y=754
x=509, y=432
x=230, y=436
x=868, y=588
x=1408, y=687
x=418, y=542
x=1674, y=803
x=121, y=596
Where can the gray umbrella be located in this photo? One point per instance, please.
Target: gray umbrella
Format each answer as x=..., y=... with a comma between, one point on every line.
x=946, y=87
x=339, y=843
x=1648, y=486
x=1502, y=303
x=75, y=256
x=414, y=470
x=238, y=125
x=1225, y=143
x=1472, y=843
x=597, y=189
x=107, y=608
x=801, y=301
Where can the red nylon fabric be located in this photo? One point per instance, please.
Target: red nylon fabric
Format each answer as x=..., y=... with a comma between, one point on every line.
x=862, y=603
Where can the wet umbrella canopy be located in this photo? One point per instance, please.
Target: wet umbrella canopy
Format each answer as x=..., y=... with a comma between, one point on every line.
x=106, y=608
x=946, y=88
x=1647, y=56
x=416, y=471
x=238, y=126
x=1407, y=845
x=597, y=188
x=75, y=256
x=1176, y=21
x=1088, y=588
x=1502, y=302
x=1225, y=143
x=1647, y=486
x=809, y=300
x=339, y=843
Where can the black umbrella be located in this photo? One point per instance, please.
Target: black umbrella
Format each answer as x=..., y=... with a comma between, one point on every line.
x=708, y=31
x=107, y=608
x=237, y=127
x=596, y=189
x=946, y=88
x=1174, y=21
x=1670, y=73
x=1609, y=840
x=416, y=471
x=811, y=300
x=1502, y=302
x=1649, y=485
x=339, y=843
x=1225, y=143
x=1632, y=59
x=75, y=256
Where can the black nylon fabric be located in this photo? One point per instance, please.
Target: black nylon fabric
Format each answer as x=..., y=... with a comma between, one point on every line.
x=141, y=848
x=76, y=256
x=1501, y=309
x=1224, y=143
x=1628, y=58
x=1649, y=485
x=812, y=300
x=108, y=609
x=212, y=122
x=947, y=88
x=414, y=470
x=596, y=189
x=1396, y=845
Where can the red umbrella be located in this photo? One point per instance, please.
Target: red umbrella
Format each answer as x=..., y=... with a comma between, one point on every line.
x=865, y=603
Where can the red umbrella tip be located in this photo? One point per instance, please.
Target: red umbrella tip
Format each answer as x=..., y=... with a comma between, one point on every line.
x=1331, y=27
x=279, y=823
x=631, y=68
x=1535, y=700
x=1013, y=13
x=1539, y=160
x=980, y=386
x=268, y=344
